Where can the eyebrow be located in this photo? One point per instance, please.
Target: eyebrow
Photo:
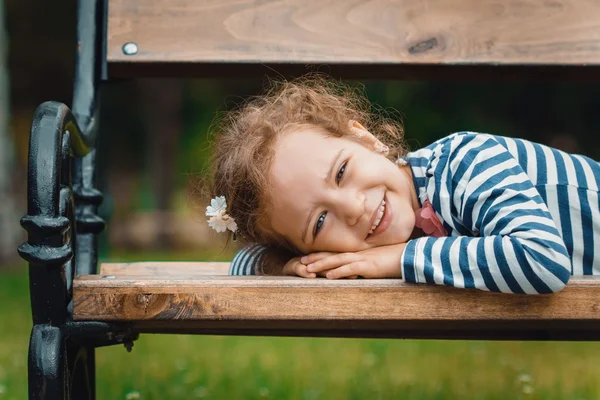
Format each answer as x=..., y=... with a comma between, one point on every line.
x=327, y=179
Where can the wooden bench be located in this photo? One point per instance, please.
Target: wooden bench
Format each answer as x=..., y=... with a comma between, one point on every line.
x=76, y=310
x=202, y=298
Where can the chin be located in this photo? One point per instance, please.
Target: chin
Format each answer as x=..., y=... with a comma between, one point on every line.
x=402, y=224
x=388, y=239
x=399, y=235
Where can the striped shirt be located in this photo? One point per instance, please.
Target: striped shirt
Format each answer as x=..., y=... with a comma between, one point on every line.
x=521, y=217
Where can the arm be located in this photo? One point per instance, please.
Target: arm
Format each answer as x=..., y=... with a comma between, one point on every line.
x=481, y=188
x=246, y=260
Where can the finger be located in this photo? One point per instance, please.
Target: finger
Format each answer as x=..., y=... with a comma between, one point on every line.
x=323, y=274
x=313, y=257
x=346, y=271
x=298, y=269
x=334, y=261
x=303, y=272
x=289, y=268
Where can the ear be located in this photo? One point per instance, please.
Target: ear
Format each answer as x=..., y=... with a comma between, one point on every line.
x=367, y=137
x=361, y=132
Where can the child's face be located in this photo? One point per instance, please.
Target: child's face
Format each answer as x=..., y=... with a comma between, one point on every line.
x=327, y=192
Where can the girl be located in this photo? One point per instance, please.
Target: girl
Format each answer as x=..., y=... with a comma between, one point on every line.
x=321, y=186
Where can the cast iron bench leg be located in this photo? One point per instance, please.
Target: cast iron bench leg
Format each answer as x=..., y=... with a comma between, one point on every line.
x=82, y=371
x=61, y=352
x=59, y=370
x=47, y=370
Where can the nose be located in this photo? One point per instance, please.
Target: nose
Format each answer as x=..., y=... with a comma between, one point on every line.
x=352, y=206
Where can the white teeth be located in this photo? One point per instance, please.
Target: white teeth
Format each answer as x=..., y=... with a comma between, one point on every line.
x=380, y=213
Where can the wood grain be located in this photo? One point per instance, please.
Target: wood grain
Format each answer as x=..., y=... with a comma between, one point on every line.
x=358, y=32
x=377, y=308
x=165, y=268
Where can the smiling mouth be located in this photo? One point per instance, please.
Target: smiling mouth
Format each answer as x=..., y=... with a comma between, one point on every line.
x=381, y=219
x=378, y=217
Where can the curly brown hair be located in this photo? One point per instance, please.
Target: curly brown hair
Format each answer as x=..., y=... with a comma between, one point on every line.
x=244, y=142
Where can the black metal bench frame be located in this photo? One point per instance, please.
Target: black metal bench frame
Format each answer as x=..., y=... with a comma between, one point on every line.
x=62, y=204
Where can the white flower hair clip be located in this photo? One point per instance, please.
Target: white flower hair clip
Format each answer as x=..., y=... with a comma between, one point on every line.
x=219, y=220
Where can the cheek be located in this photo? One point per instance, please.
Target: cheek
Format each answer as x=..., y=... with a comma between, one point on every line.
x=339, y=238
x=409, y=221
x=281, y=222
x=404, y=215
x=376, y=167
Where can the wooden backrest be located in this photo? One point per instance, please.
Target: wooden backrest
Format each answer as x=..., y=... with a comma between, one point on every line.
x=386, y=38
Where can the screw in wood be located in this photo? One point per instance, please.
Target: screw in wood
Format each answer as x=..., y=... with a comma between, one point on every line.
x=130, y=48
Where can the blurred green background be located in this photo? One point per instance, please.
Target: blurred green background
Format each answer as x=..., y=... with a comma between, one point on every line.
x=153, y=140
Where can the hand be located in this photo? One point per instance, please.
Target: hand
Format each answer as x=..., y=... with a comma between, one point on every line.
x=295, y=267
x=378, y=262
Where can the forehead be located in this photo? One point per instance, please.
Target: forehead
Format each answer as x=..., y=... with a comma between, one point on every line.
x=297, y=177
x=301, y=155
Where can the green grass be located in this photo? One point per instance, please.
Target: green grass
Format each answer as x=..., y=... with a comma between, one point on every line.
x=213, y=367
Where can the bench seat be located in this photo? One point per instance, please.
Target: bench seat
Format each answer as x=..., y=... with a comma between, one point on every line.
x=165, y=268
x=152, y=297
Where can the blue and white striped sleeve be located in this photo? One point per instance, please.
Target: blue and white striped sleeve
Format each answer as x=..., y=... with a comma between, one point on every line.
x=246, y=260
x=513, y=245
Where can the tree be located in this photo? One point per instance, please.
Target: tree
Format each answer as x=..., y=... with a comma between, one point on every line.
x=9, y=232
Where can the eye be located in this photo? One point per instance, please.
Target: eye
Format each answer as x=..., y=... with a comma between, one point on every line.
x=340, y=173
x=319, y=224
